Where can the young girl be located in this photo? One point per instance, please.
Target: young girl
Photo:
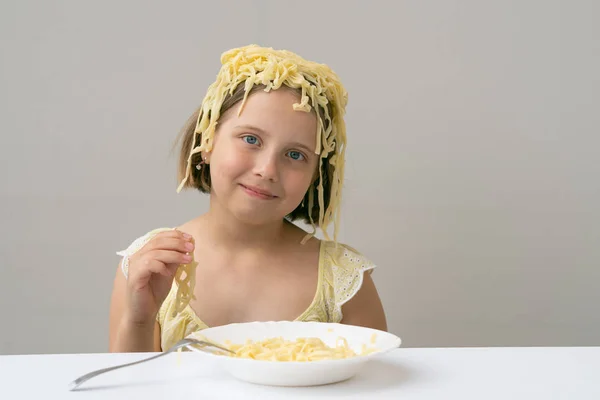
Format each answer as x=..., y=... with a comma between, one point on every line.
x=267, y=145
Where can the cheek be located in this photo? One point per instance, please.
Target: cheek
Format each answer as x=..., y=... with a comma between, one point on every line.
x=228, y=163
x=298, y=183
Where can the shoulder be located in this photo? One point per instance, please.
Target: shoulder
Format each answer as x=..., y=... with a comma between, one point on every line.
x=346, y=257
x=345, y=270
x=354, y=297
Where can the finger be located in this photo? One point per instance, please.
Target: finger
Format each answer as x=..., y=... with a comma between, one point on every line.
x=157, y=267
x=178, y=233
x=172, y=233
x=172, y=268
x=169, y=256
x=171, y=243
x=145, y=268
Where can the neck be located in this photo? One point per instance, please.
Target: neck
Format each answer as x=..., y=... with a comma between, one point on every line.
x=225, y=229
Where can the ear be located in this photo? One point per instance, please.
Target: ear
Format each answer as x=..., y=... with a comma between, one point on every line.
x=206, y=157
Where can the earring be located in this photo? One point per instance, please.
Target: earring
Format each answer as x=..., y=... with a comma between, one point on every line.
x=199, y=165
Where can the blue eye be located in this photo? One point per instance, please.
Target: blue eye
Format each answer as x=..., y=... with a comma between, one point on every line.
x=295, y=155
x=250, y=139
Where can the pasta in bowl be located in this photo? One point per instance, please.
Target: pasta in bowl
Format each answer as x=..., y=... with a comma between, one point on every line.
x=295, y=353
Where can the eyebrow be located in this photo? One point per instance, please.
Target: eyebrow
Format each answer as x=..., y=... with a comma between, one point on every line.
x=263, y=132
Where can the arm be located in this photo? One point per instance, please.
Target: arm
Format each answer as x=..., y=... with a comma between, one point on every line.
x=125, y=336
x=365, y=308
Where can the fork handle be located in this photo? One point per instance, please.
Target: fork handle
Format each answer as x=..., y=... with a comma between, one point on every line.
x=73, y=385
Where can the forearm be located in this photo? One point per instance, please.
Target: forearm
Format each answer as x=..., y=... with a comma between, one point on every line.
x=134, y=337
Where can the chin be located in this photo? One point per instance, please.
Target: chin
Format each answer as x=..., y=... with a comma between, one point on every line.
x=252, y=217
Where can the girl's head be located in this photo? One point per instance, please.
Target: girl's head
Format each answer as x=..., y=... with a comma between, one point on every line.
x=269, y=139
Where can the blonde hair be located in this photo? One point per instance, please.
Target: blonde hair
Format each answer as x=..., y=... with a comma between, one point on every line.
x=321, y=92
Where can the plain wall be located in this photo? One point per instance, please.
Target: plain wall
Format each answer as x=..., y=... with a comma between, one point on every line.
x=472, y=163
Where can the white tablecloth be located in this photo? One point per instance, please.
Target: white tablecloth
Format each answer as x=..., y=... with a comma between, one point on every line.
x=466, y=373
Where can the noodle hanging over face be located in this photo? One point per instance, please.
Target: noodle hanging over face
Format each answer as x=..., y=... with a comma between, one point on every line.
x=320, y=89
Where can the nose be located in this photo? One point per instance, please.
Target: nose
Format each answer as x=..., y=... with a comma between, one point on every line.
x=265, y=166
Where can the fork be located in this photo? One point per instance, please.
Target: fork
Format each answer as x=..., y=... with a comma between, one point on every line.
x=182, y=343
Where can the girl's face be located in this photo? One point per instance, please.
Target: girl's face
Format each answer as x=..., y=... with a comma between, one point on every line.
x=263, y=161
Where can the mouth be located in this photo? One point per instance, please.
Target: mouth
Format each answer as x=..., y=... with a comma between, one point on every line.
x=258, y=192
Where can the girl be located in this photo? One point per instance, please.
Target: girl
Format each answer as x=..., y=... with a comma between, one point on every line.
x=267, y=145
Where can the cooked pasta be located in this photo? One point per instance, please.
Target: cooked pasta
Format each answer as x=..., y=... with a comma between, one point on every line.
x=185, y=276
x=301, y=349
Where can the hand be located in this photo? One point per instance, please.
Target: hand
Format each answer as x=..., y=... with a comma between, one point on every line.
x=151, y=273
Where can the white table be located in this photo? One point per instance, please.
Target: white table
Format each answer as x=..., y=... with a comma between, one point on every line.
x=467, y=373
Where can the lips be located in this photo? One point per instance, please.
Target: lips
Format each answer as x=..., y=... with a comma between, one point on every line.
x=258, y=192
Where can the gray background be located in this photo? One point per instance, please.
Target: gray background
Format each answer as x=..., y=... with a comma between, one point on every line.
x=472, y=159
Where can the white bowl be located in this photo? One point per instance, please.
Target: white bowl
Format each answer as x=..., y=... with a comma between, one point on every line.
x=297, y=373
